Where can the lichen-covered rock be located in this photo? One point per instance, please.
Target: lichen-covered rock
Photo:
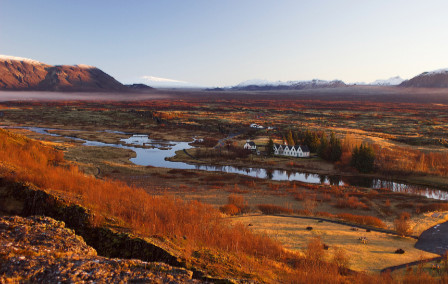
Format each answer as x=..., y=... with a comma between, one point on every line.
x=41, y=249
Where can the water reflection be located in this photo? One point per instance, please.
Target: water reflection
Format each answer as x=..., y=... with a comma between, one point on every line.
x=161, y=150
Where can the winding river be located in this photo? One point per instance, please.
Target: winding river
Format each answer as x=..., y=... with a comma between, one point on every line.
x=160, y=150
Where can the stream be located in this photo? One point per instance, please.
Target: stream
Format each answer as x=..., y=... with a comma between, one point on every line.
x=161, y=149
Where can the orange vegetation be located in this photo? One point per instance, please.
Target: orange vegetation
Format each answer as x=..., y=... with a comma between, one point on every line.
x=27, y=160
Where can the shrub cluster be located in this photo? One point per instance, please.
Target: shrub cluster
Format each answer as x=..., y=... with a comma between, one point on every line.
x=274, y=209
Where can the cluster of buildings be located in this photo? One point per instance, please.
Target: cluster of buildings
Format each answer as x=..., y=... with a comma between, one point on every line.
x=299, y=151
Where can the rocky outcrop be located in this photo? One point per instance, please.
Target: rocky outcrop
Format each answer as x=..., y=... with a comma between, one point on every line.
x=40, y=249
x=107, y=242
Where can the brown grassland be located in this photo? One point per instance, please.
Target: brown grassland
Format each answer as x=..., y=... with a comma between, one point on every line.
x=224, y=223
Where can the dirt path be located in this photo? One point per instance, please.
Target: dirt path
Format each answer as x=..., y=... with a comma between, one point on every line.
x=374, y=229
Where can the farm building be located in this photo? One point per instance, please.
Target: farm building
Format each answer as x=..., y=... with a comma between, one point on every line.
x=250, y=145
x=299, y=151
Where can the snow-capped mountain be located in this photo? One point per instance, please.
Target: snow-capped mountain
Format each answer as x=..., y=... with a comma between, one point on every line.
x=435, y=72
x=431, y=79
x=262, y=82
x=393, y=81
x=19, y=59
x=261, y=85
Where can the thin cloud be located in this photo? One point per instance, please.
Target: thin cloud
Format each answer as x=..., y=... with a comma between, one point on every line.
x=161, y=80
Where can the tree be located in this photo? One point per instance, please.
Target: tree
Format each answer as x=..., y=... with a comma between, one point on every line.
x=270, y=147
x=363, y=158
x=314, y=144
x=335, y=148
x=323, y=148
x=290, y=139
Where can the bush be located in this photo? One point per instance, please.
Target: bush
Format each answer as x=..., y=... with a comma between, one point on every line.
x=340, y=258
x=315, y=250
x=239, y=201
x=432, y=207
x=274, y=209
x=402, y=224
x=229, y=209
x=362, y=219
x=350, y=202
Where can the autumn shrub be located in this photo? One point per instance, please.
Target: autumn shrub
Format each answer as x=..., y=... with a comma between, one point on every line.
x=402, y=224
x=274, y=209
x=341, y=259
x=362, y=219
x=315, y=252
x=26, y=160
x=238, y=201
x=432, y=207
x=230, y=209
x=351, y=202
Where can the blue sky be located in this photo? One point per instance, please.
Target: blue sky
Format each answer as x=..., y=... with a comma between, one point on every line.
x=221, y=43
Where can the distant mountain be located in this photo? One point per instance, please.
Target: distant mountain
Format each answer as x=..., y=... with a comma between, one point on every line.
x=264, y=85
x=394, y=81
x=432, y=79
x=18, y=73
x=139, y=87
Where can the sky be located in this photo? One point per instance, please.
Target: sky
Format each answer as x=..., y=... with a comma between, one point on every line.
x=218, y=43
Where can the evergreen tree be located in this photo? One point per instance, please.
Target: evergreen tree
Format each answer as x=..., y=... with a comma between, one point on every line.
x=323, y=148
x=363, y=158
x=335, y=148
x=290, y=139
x=270, y=147
x=296, y=138
x=314, y=144
x=307, y=138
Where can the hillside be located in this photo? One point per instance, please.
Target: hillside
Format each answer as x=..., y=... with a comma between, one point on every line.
x=432, y=79
x=18, y=73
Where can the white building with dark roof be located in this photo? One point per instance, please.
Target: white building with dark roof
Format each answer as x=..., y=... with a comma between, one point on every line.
x=299, y=151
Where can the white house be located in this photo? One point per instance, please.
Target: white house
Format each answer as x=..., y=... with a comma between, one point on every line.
x=302, y=151
x=299, y=151
x=250, y=145
x=254, y=125
x=278, y=149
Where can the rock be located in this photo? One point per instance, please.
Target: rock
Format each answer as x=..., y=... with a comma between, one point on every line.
x=40, y=249
x=399, y=251
x=309, y=228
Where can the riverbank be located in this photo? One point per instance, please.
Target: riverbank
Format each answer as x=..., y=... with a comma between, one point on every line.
x=312, y=166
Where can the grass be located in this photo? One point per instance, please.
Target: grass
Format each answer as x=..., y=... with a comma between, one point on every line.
x=377, y=254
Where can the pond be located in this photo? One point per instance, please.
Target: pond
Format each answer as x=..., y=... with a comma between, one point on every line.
x=151, y=152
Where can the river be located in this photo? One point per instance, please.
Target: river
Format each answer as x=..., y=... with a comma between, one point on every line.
x=160, y=150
